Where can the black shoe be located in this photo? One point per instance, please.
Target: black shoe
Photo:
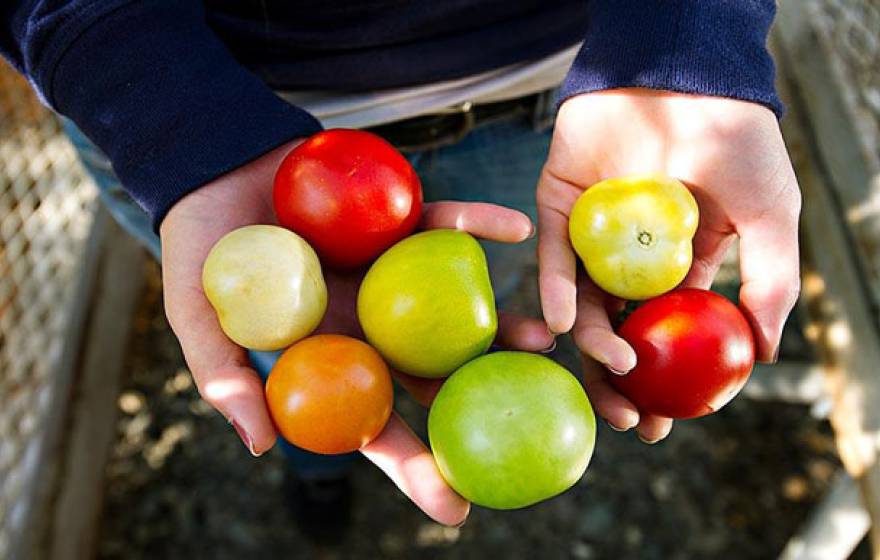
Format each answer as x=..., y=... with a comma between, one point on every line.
x=321, y=508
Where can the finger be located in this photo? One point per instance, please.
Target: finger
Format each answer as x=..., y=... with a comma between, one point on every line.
x=222, y=373
x=616, y=409
x=484, y=220
x=556, y=259
x=770, y=272
x=410, y=465
x=593, y=333
x=220, y=368
x=422, y=390
x=556, y=265
x=652, y=428
x=523, y=333
x=710, y=247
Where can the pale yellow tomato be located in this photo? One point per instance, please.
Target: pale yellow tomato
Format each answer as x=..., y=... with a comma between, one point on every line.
x=265, y=284
x=634, y=234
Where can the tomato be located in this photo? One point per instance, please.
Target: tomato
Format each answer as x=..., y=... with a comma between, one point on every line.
x=265, y=284
x=427, y=303
x=634, y=234
x=511, y=429
x=695, y=352
x=330, y=394
x=349, y=193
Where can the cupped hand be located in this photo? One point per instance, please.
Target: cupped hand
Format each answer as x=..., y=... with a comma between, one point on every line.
x=221, y=369
x=731, y=155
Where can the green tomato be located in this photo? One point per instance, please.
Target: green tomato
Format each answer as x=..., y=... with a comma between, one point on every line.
x=427, y=305
x=265, y=284
x=511, y=429
x=634, y=234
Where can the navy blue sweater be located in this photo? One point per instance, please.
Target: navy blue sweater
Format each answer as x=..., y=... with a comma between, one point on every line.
x=178, y=92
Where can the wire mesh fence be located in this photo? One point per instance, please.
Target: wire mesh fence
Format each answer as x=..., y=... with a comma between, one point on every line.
x=46, y=209
x=852, y=28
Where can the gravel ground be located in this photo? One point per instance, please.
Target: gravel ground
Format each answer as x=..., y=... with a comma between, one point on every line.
x=180, y=485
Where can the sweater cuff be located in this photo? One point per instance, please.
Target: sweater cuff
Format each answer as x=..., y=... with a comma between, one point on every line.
x=708, y=47
x=168, y=104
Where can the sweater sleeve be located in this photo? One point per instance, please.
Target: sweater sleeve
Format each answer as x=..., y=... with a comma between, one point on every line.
x=152, y=86
x=709, y=47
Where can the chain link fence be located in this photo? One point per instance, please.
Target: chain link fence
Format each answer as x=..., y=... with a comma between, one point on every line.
x=46, y=210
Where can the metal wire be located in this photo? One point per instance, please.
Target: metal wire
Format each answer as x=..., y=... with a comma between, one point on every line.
x=46, y=209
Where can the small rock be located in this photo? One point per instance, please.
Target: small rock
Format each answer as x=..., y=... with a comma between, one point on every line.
x=582, y=551
x=795, y=488
x=632, y=536
x=131, y=402
x=595, y=521
x=661, y=486
x=434, y=534
x=391, y=543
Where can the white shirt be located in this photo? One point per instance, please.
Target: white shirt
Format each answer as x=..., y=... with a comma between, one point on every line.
x=360, y=110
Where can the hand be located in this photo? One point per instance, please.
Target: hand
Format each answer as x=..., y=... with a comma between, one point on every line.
x=732, y=157
x=221, y=369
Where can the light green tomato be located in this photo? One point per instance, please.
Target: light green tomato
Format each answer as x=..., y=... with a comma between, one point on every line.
x=265, y=284
x=427, y=305
x=634, y=234
x=511, y=429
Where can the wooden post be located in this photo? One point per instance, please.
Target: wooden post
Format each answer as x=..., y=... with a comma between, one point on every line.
x=90, y=428
x=840, y=285
x=835, y=527
x=793, y=382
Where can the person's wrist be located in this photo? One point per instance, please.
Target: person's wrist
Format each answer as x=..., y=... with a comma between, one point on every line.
x=249, y=184
x=663, y=94
x=679, y=118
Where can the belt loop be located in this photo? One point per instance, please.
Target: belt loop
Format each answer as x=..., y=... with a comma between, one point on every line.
x=544, y=113
x=468, y=123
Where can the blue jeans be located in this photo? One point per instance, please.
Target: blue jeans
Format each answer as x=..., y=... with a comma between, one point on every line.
x=498, y=162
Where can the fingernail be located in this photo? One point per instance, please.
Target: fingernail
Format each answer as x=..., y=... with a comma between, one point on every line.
x=245, y=438
x=550, y=348
x=775, y=355
x=616, y=371
x=460, y=525
x=615, y=428
x=649, y=442
x=532, y=231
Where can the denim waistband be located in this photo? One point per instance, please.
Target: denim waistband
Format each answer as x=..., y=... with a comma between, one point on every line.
x=448, y=127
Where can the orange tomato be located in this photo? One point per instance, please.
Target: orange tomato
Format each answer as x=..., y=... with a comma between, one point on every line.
x=330, y=394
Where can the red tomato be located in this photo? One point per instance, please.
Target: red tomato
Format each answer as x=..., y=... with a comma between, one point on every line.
x=695, y=352
x=330, y=394
x=349, y=193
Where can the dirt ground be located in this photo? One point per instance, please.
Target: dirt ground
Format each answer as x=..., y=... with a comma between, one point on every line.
x=180, y=485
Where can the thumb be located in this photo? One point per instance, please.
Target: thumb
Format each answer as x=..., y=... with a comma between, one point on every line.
x=236, y=392
x=220, y=368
